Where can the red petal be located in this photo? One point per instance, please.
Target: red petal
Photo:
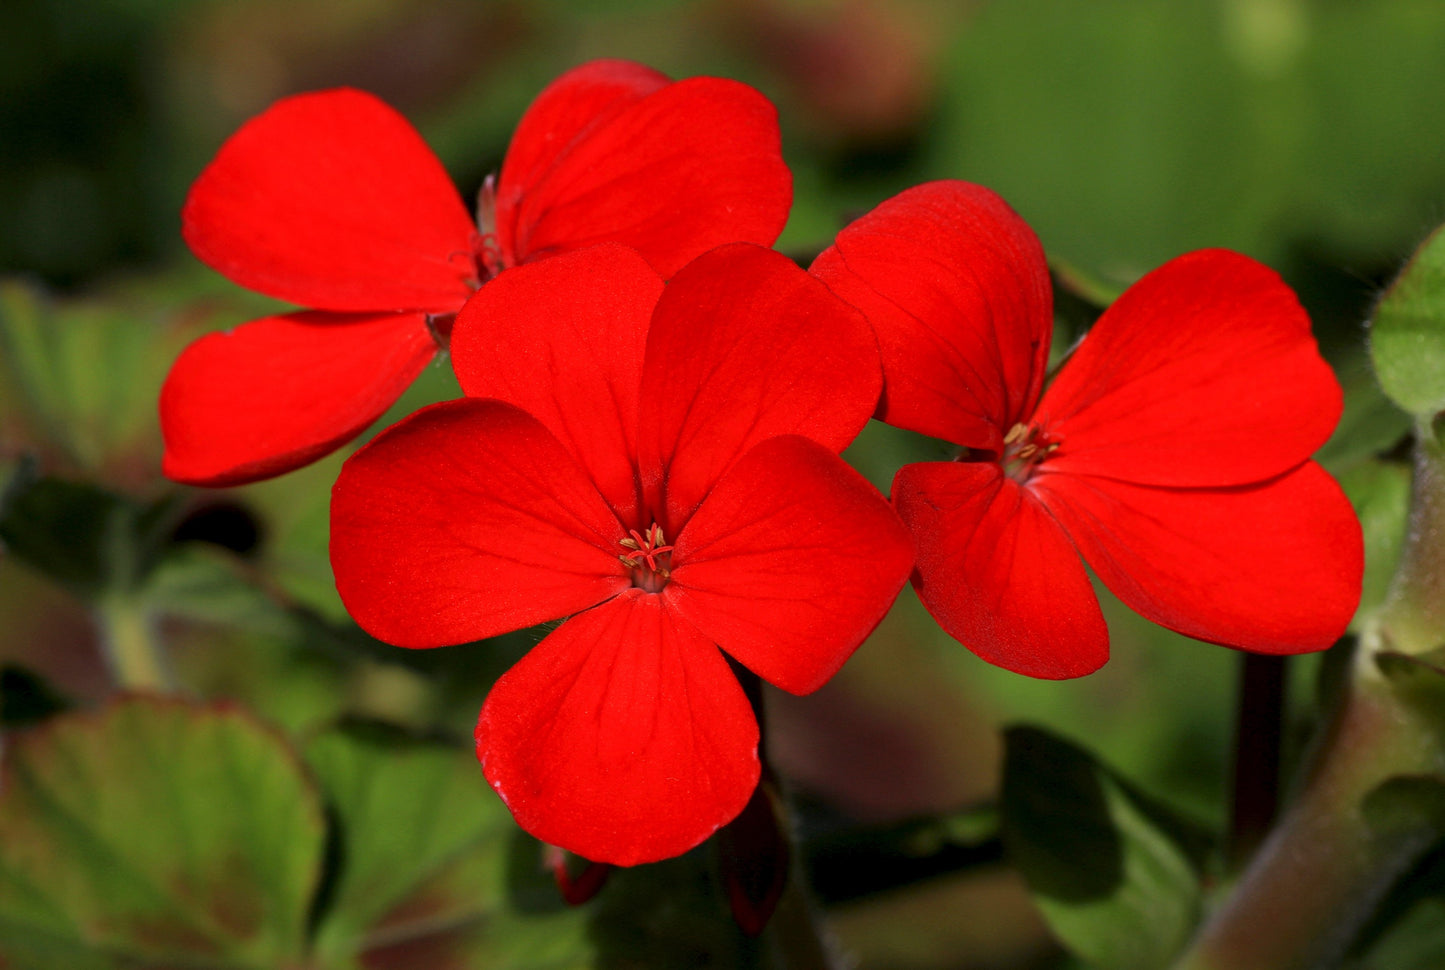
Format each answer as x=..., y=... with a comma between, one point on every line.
x=623, y=737
x=278, y=393
x=790, y=562
x=691, y=166
x=1203, y=373
x=956, y=287
x=744, y=346
x=332, y=200
x=467, y=520
x=1273, y=568
x=580, y=373
x=997, y=572
x=566, y=112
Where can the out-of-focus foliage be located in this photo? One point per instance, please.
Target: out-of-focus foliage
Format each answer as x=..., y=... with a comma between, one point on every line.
x=1104, y=862
x=1407, y=343
x=1308, y=133
x=88, y=878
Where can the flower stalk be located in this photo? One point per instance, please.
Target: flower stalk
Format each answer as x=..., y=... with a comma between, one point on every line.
x=1319, y=875
x=130, y=644
x=1413, y=618
x=1322, y=871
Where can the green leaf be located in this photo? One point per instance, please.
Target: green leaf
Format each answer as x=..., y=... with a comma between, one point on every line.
x=424, y=851
x=155, y=833
x=1419, y=679
x=1114, y=884
x=1406, y=803
x=1407, y=334
x=79, y=378
x=1414, y=942
x=86, y=538
x=1370, y=425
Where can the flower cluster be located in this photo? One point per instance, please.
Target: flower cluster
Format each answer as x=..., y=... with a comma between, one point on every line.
x=655, y=403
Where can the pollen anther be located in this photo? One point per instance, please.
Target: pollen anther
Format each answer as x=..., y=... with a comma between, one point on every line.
x=1025, y=446
x=643, y=560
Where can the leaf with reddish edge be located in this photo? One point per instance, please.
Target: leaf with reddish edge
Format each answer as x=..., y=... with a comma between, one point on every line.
x=790, y=563
x=744, y=345
x=425, y=846
x=623, y=736
x=332, y=200
x=956, y=286
x=466, y=520
x=1271, y=568
x=693, y=165
x=998, y=573
x=579, y=374
x=278, y=393
x=155, y=833
x=1204, y=373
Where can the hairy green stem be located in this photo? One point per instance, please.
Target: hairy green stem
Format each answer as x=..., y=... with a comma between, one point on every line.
x=1413, y=619
x=1321, y=872
x=1327, y=864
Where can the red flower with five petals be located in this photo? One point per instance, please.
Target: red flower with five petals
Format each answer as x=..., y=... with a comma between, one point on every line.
x=1171, y=453
x=661, y=465
x=332, y=200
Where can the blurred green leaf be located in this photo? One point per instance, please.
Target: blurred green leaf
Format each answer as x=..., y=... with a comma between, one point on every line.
x=84, y=537
x=155, y=833
x=1419, y=679
x=1407, y=334
x=1406, y=802
x=1407, y=931
x=1380, y=494
x=1371, y=423
x=421, y=876
x=1127, y=133
x=205, y=584
x=1414, y=942
x=1113, y=883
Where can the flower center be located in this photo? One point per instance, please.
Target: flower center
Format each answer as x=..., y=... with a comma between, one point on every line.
x=487, y=249
x=648, y=557
x=1023, y=448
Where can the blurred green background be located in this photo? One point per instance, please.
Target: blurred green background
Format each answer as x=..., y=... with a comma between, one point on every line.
x=1307, y=133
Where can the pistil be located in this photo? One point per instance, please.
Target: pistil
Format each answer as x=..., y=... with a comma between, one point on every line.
x=648, y=557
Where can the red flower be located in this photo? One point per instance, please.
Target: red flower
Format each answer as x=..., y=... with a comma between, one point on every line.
x=1172, y=452
x=661, y=464
x=332, y=200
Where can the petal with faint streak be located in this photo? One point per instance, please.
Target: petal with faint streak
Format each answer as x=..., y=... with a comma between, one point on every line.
x=563, y=339
x=1273, y=568
x=565, y=113
x=693, y=165
x=278, y=393
x=332, y=200
x=790, y=562
x=956, y=287
x=623, y=736
x=998, y=573
x=745, y=346
x=1204, y=373
x=467, y=520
